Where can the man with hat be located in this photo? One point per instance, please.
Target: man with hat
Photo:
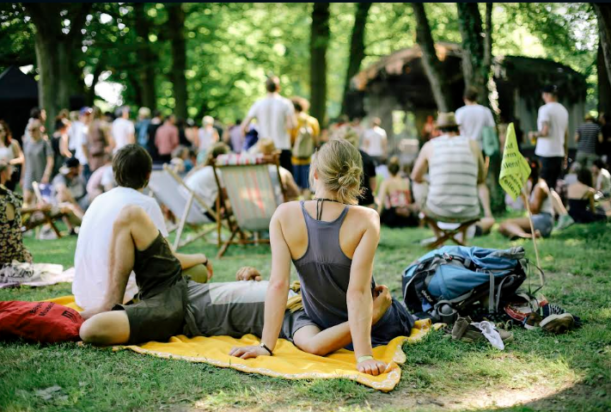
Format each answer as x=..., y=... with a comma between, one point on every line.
x=69, y=186
x=552, y=145
x=455, y=168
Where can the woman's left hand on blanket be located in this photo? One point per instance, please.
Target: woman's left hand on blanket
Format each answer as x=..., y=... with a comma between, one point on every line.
x=247, y=352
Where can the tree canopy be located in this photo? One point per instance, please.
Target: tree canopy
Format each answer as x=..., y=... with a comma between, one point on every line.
x=229, y=48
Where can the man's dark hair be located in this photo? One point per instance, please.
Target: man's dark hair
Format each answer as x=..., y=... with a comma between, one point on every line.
x=35, y=113
x=272, y=84
x=585, y=176
x=551, y=89
x=599, y=163
x=470, y=94
x=132, y=166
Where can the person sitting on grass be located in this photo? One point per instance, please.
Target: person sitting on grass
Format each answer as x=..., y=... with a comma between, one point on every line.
x=332, y=243
x=11, y=238
x=395, y=204
x=540, y=206
x=132, y=166
x=601, y=178
x=581, y=199
x=69, y=187
x=202, y=181
x=171, y=304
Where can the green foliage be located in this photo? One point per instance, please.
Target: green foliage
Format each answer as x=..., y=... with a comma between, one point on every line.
x=231, y=47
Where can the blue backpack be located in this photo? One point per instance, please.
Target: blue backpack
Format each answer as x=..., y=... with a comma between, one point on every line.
x=457, y=280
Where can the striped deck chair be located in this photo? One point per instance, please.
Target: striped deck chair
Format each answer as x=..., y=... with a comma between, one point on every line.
x=253, y=189
x=188, y=207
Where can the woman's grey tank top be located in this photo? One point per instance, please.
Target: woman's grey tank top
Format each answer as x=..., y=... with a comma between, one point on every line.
x=324, y=273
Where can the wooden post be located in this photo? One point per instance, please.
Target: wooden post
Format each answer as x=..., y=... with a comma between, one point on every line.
x=532, y=228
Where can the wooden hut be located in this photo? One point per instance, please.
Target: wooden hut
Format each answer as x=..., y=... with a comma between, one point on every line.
x=18, y=95
x=398, y=82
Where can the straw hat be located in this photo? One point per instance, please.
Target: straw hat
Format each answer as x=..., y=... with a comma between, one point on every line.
x=266, y=147
x=446, y=120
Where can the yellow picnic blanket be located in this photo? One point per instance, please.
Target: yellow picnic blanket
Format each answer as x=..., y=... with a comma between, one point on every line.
x=288, y=361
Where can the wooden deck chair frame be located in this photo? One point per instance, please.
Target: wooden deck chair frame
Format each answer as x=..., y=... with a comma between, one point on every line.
x=45, y=211
x=193, y=197
x=229, y=216
x=449, y=234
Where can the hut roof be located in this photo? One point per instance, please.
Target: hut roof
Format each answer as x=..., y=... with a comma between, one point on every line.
x=526, y=73
x=394, y=63
x=15, y=85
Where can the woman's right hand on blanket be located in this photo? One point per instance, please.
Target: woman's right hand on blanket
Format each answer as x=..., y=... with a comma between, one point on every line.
x=372, y=367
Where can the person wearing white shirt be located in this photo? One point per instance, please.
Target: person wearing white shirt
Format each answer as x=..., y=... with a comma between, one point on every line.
x=552, y=148
x=123, y=130
x=275, y=118
x=375, y=141
x=472, y=119
x=132, y=168
x=77, y=134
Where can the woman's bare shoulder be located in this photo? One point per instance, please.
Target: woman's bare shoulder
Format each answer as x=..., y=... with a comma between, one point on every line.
x=365, y=215
x=287, y=210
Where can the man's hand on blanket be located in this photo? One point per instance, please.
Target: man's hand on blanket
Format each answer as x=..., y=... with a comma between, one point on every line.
x=373, y=367
x=248, y=273
x=247, y=352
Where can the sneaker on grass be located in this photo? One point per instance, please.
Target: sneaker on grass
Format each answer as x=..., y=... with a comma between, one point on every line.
x=558, y=323
x=564, y=221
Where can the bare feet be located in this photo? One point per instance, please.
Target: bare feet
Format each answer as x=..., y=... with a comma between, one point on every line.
x=381, y=302
x=248, y=273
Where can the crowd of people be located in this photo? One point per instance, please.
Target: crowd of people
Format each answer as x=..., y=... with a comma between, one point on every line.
x=330, y=234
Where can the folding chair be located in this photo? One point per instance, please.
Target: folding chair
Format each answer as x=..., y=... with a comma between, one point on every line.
x=252, y=193
x=448, y=234
x=191, y=211
x=44, y=212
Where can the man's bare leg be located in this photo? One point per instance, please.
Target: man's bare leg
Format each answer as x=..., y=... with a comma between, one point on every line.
x=132, y=230
x=312, y=340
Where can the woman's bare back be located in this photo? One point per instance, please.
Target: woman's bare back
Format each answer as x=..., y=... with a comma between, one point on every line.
x=358, y=220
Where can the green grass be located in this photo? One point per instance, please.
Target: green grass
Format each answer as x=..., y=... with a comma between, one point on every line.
x=536, y=372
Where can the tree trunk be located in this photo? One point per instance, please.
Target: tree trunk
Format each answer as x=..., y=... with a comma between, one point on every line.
x=603, y=13
x=604, y=86
x=477, y=48
x=319, y=42
x=146, y=57
x=176, y=24
x=50, y=97
x=357, y=48
x=54, y=51
x=432, y=65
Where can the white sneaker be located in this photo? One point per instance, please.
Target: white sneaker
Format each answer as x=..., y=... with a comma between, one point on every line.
x=564, y=221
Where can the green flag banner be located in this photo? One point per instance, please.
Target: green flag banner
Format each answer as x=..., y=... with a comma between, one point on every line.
x=514, y=169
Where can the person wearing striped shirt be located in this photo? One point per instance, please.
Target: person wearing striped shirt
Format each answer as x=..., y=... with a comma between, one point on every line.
x=588, y=135
x=455, y=167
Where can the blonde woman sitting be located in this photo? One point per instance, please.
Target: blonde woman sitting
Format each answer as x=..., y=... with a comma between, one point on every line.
x=332, y=243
